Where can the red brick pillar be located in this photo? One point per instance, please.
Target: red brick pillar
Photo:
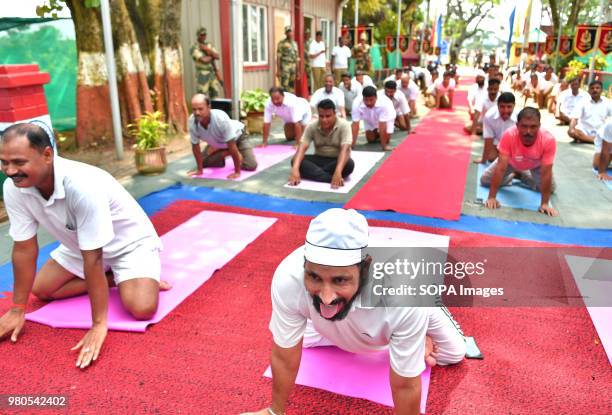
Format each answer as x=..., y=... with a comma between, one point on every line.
x=22, y=97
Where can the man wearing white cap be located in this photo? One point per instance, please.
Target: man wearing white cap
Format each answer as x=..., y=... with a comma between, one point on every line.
x=316, y=301
x=476, y=91
x=100, y=227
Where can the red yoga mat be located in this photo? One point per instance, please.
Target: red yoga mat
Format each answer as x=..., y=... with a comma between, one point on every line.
x=426, y=174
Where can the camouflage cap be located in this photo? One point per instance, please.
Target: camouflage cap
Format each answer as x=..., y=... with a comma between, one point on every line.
x=201, y=31
x=307, y=31
x=288, y=29
x=364, y=36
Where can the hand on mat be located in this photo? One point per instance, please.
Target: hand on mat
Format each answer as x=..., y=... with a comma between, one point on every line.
x=492, y=203
x=164, y=286
x=234, y=175
x=294, y=179
x=337, y=181
x=604, y=177
x=431, y=352
x=12, y=323
x=262, y=145
x=90, y=345
x=194, y=172
x=549, y=210
x=478, y=161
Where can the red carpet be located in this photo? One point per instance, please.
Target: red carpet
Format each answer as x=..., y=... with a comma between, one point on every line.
x=208, y=355
x=425, y=175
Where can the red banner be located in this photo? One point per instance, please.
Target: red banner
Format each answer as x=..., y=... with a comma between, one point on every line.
x=584, y=41
x=390, y=43
x=427, y=48
x=416, y=45
x=551, y=45
x=605, y=39
x=565, y=49
x=403, y=44
x=531, y=48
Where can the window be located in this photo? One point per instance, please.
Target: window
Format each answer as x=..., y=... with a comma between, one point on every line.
x=254, y=35
x=329, y=36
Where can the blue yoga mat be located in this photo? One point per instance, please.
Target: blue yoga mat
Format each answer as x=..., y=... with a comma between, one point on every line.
x=515, y=196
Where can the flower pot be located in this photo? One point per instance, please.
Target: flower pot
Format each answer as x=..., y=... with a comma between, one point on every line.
x=151, y=161
x=255, y=122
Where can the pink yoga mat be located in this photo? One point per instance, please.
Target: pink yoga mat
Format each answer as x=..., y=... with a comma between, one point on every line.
x=265, y=156
x=363, y=376
x=193, y=251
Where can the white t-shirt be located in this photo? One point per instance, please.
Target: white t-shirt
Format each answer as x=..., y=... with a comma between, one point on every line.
x=568, y=101
x=341, y=56
x=494, y=126
x=335, y=95
x=604, y=134
x=592, y=115
x=391, y=78
x=411, y=92
x=316, y=47
x=367, y=81
x=383, y=111
x=400, y=329
x=475, y=93
x=292, y=110
x=350, y=94
x=221, y=129
x=88, y=210
x=439, y=85
x=484, y=104
x=400, y=103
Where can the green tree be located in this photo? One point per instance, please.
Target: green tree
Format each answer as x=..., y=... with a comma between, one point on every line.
x=382, y=14
x=464, y=18
x=570, y=13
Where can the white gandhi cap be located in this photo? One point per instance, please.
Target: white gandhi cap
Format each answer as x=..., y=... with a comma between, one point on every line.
x=336, y=238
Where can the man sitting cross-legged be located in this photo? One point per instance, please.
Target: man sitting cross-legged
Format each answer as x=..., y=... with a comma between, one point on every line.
x=526, y=152
x=332, y=139
x=99, y=225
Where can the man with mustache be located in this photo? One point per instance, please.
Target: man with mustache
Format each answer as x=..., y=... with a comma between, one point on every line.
x=590, y=115
x=475, y=92
x=100, y=227
x=526, y=152
x=316, y=301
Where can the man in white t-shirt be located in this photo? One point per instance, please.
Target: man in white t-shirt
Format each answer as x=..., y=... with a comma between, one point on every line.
x=475, y=91
x=317, y=300
x=351, y=90
x=395, y=77
x=430, y=91
x=316, y=53
x=495, y=123
x=603, y=151
x=553, y=99
x=570, y=99
x=339, y=58
x=444, y=91
x=411, y=91
x=363, y=79
x=590, y=115
x=293, y=110
x=483, y=105
x=223, y=136
x=329, y=91
x=378, y=116
x=400, y=104
x=100, y=228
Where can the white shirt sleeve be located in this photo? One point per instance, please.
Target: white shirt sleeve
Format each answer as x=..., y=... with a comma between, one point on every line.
x=388, y=111
x=577, y=111
x=23, y=226
x=487, y=128
x=356, y=112
x=91, y=211
x=268, y=112
x=287, y=323
x=407, y=343
x=193, y=137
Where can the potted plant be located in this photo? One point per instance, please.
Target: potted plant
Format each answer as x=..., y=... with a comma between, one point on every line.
x=150, y=133
x=253, y=102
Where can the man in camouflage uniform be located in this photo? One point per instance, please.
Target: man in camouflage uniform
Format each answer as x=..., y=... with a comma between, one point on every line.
x=287, y=61
x=307, y=68
x=204, y=56
x=361, y=54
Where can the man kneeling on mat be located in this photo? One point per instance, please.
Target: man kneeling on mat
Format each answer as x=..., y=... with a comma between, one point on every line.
x=378, y=115
x=526, y=152
x=316, y=301
x=98, y=223
x=332, y=138
x=223, y=135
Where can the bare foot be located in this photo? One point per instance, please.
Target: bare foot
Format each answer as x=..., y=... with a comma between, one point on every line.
x=164, y=285
x=431, y=352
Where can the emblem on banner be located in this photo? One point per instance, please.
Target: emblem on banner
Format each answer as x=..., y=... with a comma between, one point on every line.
x=584, y=41
x=565, y=48
x=551, y=45
x=605, y=39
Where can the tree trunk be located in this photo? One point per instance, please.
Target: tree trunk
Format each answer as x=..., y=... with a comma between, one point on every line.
x=133, y=87
x=172, y=63
x=554, y=15
x=572, y=21
x=94, y=119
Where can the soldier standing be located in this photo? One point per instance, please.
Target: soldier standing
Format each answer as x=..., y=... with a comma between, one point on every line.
x=287, y=61
x=361, y=54
x=307, y=68
x=204, y=56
